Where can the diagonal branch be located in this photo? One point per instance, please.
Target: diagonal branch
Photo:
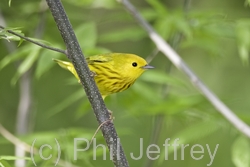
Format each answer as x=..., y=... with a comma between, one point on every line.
x=14, y=140
x=75, y=54
x=182, y=66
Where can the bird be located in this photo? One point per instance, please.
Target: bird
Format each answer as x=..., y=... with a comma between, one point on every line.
x=112, y=72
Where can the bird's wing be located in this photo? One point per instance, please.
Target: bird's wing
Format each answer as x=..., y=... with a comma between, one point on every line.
x=99, y=59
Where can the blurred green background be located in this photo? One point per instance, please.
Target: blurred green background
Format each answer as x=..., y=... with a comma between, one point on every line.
x=213, y=37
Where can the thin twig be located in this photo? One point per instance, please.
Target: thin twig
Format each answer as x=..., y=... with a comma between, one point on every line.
x=99, y=127
x=14, y=140
x=35, y=42
x=182, y=66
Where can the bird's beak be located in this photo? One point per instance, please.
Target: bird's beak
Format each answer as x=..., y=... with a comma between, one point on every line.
x=147, y=67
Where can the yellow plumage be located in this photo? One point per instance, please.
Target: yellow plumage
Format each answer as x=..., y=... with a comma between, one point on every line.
x=114, y=72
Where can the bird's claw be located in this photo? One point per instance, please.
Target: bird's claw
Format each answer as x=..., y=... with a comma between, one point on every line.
x=111, y=117
x=93, y=74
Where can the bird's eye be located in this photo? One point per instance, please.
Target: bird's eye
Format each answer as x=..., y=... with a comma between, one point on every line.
x=134, y=64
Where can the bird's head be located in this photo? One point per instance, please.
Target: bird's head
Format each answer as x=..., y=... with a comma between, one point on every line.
x=132, y=65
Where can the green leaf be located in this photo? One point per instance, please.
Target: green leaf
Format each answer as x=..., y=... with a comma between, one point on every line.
x=169, y=25
x=243, y=38
x=149, y=14
x=131, y=34
x=209, y=45
x=4, y=159
x=83, y=108
x=241, y=152
x=9, y=3
x=208, y=32
x=4, y=163
x=13, y=158
x=45, y=62
x=66, y=102
x=27, y=63
x=173, y=105
x=16, y=55
x=153, y=103
x=247, y=3
x=160, y=77
x=160, y=8
x=10, y=37
x=87, y=35
x=146, y=91
x=95, y=51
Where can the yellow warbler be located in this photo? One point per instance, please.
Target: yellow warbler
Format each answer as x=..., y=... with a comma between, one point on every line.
x=113, y=72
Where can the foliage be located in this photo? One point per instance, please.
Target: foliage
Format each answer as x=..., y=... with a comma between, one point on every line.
x=212, y=38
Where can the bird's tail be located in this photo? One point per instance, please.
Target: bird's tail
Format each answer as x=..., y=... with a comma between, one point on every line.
x=68, y=66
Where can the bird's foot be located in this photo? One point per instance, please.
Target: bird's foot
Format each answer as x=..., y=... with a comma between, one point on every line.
x=111, y=117
x=93, y=74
